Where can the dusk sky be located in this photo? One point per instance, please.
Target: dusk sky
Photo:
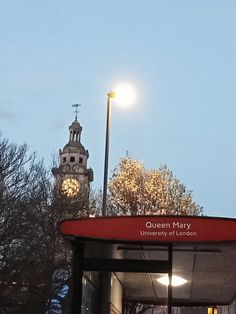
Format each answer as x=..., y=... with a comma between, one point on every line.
x=180, y=56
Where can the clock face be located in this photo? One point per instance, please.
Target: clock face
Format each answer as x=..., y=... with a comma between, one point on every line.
x=70, y=187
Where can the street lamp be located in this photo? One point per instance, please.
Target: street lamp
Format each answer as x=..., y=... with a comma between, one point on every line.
x=124, y=95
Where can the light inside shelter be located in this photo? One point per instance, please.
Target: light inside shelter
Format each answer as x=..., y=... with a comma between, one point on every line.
x=176, y=280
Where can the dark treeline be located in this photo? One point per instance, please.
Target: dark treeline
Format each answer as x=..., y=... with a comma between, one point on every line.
x=34, y=259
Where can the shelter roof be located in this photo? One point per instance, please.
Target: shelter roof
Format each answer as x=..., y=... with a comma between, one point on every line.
x=204, y=253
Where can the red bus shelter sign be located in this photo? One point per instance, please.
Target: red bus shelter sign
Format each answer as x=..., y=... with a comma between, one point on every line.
x=152, y=229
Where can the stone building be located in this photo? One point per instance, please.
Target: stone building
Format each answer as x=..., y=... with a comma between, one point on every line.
x=72, y=176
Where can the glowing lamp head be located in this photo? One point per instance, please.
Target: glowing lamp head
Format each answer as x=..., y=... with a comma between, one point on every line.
x=123, y=94
x=176, y=281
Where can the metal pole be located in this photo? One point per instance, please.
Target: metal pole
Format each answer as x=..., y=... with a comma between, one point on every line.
x=170, y=255
x=77, y=277
x=104, y=203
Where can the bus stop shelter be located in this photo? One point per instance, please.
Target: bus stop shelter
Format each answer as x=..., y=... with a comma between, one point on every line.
x=200, y=250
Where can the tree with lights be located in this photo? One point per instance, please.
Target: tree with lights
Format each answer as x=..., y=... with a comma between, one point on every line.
x=134, y=190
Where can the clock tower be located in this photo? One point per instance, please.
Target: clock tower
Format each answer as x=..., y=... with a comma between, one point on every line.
x=72, y=177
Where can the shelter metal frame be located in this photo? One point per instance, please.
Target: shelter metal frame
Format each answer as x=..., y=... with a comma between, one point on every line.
x=81, y=264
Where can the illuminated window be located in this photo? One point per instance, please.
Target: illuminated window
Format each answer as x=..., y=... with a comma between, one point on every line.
x=212, y=310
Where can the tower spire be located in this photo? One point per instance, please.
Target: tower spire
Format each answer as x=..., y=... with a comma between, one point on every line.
x=76, y=110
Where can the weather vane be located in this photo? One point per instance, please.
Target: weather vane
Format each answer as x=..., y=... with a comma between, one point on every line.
x=76, y=110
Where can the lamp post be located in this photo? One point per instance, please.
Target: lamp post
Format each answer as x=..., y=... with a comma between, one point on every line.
x=124, y=94
x=104, y=201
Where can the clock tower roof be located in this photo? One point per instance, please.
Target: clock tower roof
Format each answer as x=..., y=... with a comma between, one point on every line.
x=74, y=147
x=75, y=126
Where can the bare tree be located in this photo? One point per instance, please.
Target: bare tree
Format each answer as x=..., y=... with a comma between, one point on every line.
x=26, y=243
x=28, y=231
x=34, y=260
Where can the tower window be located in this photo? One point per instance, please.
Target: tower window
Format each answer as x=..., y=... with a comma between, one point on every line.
x=72, y=159
x=64, y=159
x=80, y=160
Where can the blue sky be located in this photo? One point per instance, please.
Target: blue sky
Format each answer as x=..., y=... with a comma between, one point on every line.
x=179, y=55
